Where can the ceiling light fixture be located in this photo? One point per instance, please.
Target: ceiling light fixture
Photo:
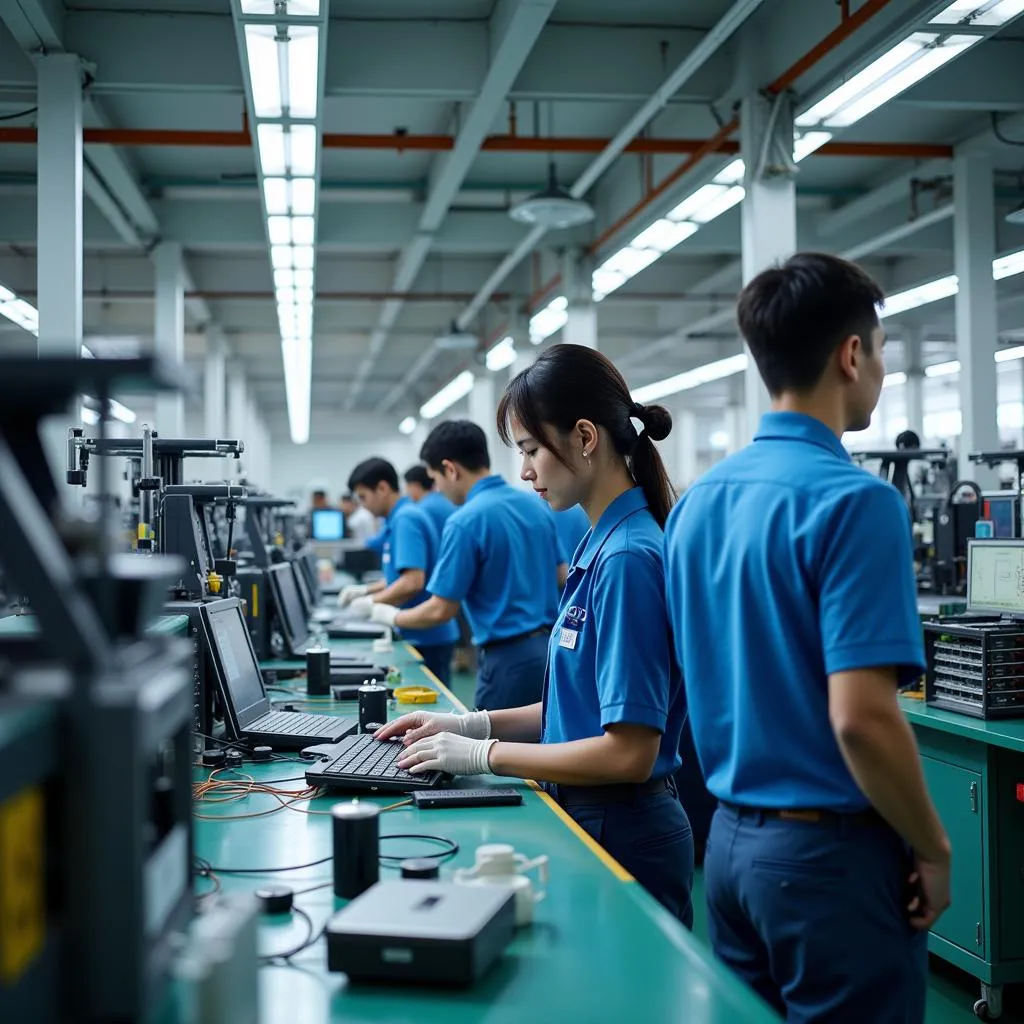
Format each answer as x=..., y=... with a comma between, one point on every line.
x=501, y=355
x=448, y=395
x=408, y=425
x=553, y=208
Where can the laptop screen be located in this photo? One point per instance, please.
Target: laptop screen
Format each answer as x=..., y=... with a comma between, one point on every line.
x=995, y=576
x=289, y=605
x=305, y=594
x=234, y=654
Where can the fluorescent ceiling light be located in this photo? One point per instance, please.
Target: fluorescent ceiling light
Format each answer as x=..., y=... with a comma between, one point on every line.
x=302, y=230
x=974, y=12
x=303, y=71
x=297, y=357
x=894, y=380
x=448, y=395
x=947, y=369
x=807, y=143
x=18, y=311
x=302, y=138
x=408, y=425
x=270, y=141
x=280, y=230
x=304, y=296
x=261, y=50
x=604, y=282
x=664, y=235
x=732, y=173
x=718, y=206
x=89, y=416
x=286, y=296
x=275, y=195
x=284, y=278
x=303, y=197
x=501, y=355
x=911, y=298
x=550, y=319
x=302, y=257
x=1007, y=266
x=281, y=257
x=719, y=440
x=295, y=8
x=630, y=261
x=694, y=378
x=696, y=200
x=303, y=278
x=1007, y=355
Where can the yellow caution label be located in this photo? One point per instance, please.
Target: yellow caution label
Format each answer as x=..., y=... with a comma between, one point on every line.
x=22, y=883
x=255, y=602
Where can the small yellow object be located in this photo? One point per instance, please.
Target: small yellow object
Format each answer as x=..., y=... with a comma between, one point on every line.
x=415, y=695
x=22, y=883
x=214, y=580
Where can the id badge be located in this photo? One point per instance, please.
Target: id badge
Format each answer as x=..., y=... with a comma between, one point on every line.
x=567, y=639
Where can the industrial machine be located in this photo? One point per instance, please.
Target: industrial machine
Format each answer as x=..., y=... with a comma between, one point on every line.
x=95, y=734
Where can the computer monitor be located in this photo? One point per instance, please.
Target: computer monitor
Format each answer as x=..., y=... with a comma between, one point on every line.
x=305, y=593
x=245, y=699
x=1003, y=511
x=995, y=576
x=290, y=613
x=328, y=524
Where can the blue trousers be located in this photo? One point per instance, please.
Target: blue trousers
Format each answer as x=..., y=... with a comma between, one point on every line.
x=439, y=660
x=512, y=676
x=650, y=837
x=813, y=917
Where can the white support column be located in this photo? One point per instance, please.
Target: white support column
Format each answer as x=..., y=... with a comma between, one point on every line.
x=237, y=396
x=768, y=213
x=214, y=394
x=735, y=420
x=976, y=326
x=685, y=469
x=483, y=404
x=581, y=325
x=169, y=331
x=914, y=346
x=59, y=205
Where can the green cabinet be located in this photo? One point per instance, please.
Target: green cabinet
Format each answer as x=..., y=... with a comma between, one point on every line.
x=958, y=794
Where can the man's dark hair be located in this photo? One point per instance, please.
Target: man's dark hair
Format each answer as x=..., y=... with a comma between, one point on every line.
x=794, y=316
x=372, y=472
x=458, y=441
x=419, y=475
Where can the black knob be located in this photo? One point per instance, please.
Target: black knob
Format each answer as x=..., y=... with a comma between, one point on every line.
x=419, y=867
x=213, y=758
x=261, y=753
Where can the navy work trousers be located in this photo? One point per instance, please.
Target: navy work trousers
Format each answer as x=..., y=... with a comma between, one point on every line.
x=512, y=675
x=813, y=917
x=438, y=658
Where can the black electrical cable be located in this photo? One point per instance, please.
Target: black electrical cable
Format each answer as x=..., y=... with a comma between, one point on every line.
x=305, y=944
x=270, y=871
x=21, y=113
x=247, y=749
x=452, y=848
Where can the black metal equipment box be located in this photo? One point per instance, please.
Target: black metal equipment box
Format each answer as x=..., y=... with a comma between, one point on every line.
x=975, y=666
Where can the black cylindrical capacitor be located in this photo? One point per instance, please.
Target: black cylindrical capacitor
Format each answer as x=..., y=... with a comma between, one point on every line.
x=373, y=706
x=234, y=759
x=420, y=867
x=318, y=672
x=356, y=848
x=213, y=757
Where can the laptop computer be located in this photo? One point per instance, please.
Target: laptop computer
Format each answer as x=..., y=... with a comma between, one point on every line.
x=362, y=763
x=291, y=615
x=248, y=714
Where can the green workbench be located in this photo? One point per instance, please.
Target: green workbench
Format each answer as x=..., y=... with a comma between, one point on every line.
x=600, y=949
x=973, y=768
x=28, y=625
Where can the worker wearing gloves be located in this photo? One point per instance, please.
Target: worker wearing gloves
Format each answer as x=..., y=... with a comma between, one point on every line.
x=794, y=610
x=499, y=561
x=605, y=736
x=410, y=545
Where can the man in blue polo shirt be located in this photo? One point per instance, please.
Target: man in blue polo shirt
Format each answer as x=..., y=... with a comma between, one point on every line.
x=420, y=487
x=409, y=549
x=499, y=561
x=792, y=598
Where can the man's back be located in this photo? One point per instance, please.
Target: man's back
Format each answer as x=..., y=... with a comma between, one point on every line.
x=437, y=507
x=759, y=563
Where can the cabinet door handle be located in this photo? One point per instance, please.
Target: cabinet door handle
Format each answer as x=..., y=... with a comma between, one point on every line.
x=974, y=797
x=977, y=934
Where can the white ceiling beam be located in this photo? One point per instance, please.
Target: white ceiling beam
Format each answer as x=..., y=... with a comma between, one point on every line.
x=38, y=25
x=515, y=27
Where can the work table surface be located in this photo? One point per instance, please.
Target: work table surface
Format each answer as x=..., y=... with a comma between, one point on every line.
x=999, y=732
x=600, y=949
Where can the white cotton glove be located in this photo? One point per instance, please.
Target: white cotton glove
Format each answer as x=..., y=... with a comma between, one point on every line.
x=384, y=614
x=361, y=608
x=419, y=724
x=448, y=752
x=349, y=593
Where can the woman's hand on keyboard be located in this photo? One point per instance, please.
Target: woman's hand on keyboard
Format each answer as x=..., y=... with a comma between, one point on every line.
x=448, y=752
x=421, y=724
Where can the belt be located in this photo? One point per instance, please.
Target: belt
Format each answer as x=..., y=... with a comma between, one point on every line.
x=616, y=793
x=507, y=641
x=807, y=815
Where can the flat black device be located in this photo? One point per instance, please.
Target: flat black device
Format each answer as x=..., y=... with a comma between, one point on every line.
x=361, y=763
x=291, y=616
x=248, y=715
x=348, y=674
x=354, y=629
x=496, y=796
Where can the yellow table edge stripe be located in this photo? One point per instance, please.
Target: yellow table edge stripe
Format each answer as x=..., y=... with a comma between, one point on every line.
x=588, y=841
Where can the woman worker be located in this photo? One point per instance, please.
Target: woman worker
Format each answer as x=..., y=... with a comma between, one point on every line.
x=605, y=737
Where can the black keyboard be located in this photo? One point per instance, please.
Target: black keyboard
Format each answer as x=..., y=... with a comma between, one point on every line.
x=294, y=723
x=372, y=762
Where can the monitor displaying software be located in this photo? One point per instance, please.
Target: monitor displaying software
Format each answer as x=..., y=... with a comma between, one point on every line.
x=328, y=524
x=1001, y=509
x=289, y=605
x=233, y=651
x=995, y=576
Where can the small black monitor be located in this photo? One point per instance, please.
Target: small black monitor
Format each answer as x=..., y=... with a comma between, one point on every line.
x=290, y=612
x=242, y=690
x=305, y=592
x=328, y=524
x=1002, y=510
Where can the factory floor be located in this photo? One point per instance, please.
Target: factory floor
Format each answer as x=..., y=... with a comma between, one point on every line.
x=951, y=993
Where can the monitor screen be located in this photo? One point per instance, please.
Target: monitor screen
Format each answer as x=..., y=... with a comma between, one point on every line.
x=995, y=576
x=237, y=659
x=290, y=608
x=305, y=593
x=328, y=524
x=1002, y=510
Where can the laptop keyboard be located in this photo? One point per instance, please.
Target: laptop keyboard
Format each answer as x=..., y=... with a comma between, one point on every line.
x=372, y=759
x=294, y=723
